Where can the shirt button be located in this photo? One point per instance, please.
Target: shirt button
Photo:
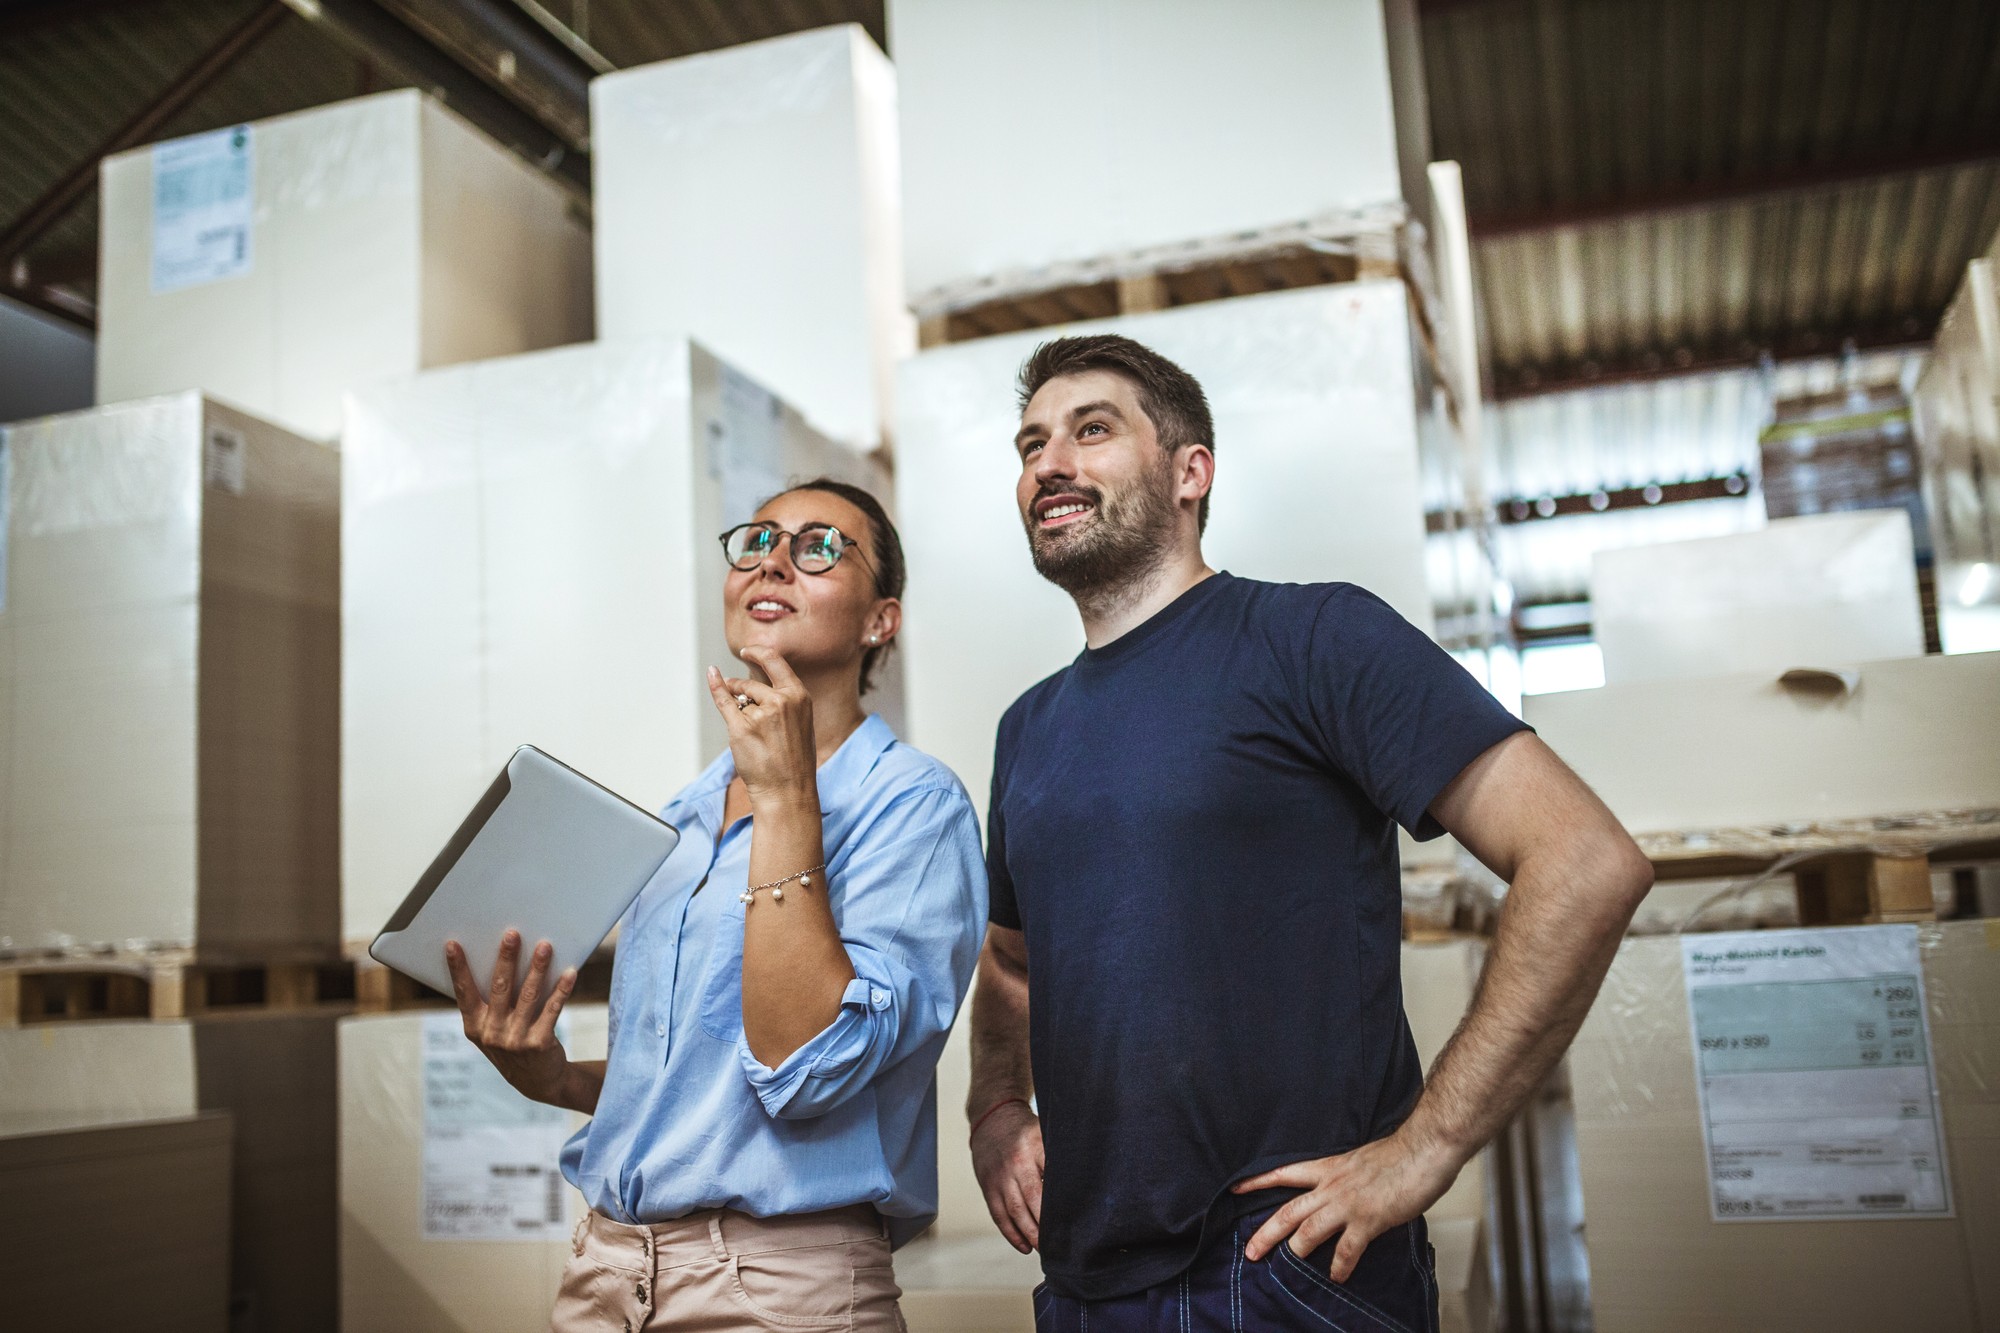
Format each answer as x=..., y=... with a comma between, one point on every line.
x=879, y=998
x=661, y=1029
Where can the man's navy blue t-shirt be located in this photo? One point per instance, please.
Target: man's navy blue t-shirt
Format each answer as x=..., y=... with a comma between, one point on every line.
x=1195, y=825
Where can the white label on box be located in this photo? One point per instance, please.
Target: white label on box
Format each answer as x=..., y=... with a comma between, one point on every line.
x=745, y=447
x=223, y=456
x=201, y=208
x=1813, y=1059
x=490, y=1169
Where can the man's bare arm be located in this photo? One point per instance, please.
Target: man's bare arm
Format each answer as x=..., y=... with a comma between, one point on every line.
x=1575, y=877
x=1006, y=1133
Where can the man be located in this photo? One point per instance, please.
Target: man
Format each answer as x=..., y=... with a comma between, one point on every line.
x=1196, y=909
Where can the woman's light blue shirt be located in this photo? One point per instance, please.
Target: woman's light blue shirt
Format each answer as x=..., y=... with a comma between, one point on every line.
x=688, y=1118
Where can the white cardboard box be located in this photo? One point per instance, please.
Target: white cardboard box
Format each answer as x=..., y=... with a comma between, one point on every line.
x=1914, y=735
x=1800, y=592
x=747, y=198
x=384, y=235
x=391, y=1276
x=1039, y=132
x=531, y=558
x=1316, y=439
x=169, y=641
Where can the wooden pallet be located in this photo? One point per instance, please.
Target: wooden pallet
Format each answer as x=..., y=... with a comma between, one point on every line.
x=1847, y=872
x=162, y=984
x=1139, y=293
x=382, y=990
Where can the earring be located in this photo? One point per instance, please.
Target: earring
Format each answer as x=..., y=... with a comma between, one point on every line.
x=874, y=638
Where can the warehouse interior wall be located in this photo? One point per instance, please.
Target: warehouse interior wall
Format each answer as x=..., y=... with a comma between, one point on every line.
x=46, y=365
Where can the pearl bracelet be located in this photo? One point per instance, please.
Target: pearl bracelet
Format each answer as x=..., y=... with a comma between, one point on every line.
x=777, y=886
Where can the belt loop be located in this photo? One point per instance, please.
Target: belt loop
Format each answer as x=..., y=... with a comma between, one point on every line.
x=576, y=1235
x=715, y=1234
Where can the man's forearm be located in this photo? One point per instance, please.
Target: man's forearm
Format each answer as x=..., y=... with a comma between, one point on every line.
x=1559, y=929
x=1000, y=1066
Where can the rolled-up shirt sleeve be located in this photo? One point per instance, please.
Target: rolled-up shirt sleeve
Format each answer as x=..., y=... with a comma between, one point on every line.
x=910, y=902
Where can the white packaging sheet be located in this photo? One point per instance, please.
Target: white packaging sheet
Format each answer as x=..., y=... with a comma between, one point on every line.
x=1813, y=1060
x=202, y=208
x=490, y=1168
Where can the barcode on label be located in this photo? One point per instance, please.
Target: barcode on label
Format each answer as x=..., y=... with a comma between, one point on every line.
x=1884, y=1200
x=555, y=1198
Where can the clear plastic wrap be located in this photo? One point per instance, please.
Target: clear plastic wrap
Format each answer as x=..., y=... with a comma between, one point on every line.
x=1657, y=1260
x=748, y=198
x=391, y=1277
x=386, y=235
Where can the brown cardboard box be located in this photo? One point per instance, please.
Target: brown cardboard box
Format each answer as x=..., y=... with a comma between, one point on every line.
x=1657, y=1261
x=169, y=682
x=130, y=1218
x=272, y=1073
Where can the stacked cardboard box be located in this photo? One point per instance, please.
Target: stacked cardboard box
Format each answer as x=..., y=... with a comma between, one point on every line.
x=1906, y=737
x=1802, y=592
x=1658, y=1261
x=169, y=650
x=408, y=1260
x=1006, y=186
x=143, y=1205
x=369, y=238
x=747, y=198
x=531, y=559
x=273, y=1073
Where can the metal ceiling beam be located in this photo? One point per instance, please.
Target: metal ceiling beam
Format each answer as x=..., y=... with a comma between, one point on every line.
x=382, y=37
x=59, y=198
x=1708, y=194
x=1512, y=382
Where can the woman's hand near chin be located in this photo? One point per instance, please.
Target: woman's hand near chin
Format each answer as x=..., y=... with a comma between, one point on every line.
x=771, y=735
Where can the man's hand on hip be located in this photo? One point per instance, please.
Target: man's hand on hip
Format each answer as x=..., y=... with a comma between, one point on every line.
x=1358, y=1194
x=1007, y=1159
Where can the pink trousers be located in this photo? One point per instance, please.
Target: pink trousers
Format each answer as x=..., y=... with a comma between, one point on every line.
x=721, y=1270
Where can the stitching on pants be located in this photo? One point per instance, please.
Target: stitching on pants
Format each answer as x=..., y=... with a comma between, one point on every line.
x=1424, y=1282
x=1236, y=1285
x=1184, y=1303
x=1360, y=1307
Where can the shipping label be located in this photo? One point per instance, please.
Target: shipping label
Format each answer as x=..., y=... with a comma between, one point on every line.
x=1813, y=1059
x=490, y=1154
x=202, y=208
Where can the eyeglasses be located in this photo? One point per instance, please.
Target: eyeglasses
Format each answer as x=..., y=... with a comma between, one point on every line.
x=816, y=547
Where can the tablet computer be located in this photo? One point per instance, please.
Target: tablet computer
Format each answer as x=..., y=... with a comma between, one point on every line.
x=546, y=851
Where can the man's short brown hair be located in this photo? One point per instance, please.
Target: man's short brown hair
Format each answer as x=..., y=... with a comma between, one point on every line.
x=1170, y=397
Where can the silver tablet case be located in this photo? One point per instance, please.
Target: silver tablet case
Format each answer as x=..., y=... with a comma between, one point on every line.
x=546, y=851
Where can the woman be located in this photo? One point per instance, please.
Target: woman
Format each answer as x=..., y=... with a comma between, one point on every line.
x=766, y=1126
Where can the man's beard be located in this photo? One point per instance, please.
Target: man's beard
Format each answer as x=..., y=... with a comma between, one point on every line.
x=1118, y=545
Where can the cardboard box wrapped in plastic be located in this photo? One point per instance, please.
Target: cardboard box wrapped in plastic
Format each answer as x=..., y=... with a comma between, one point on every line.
x=1801, y=592
x=1183, y=121
x=1314, y=402
x=421, y=1115
x=1910, y=736
x=169, y=690
x=272, y=1073
x=747, y=198
x=360, y=240
x=531, y=558
x=150, y=1201
x=1657, y=1261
